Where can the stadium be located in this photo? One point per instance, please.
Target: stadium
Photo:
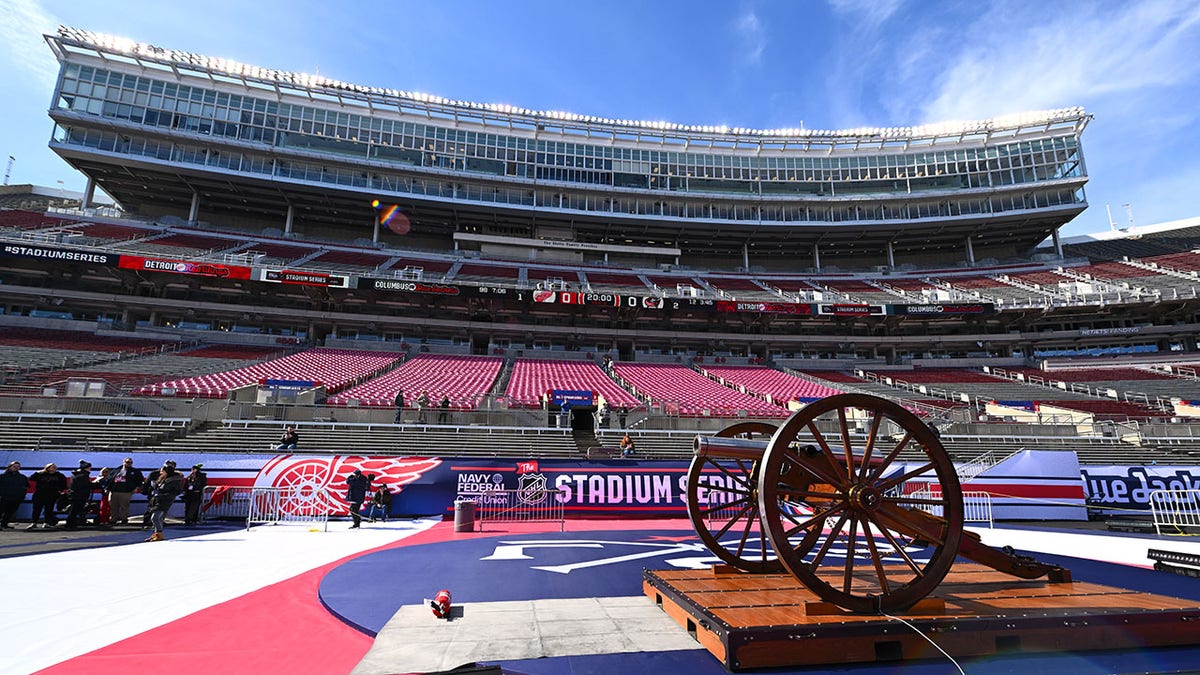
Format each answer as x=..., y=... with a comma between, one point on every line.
x=290, y=249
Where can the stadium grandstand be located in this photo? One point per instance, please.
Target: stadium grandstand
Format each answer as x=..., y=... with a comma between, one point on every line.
x=290, y=248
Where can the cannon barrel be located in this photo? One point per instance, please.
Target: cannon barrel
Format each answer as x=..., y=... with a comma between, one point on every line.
x=719, y=447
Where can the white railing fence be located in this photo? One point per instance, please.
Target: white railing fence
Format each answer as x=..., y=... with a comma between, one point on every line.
x=977, y=506
x=1176, y=511
x=292, y=505
x=519, y=506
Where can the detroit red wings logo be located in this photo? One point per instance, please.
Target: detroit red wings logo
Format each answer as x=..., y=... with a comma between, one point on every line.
x=318, y=484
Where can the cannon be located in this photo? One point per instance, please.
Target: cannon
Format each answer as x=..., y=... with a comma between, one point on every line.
x=853, y=495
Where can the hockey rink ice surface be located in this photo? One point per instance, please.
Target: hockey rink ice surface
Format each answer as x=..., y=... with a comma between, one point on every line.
x=286, y=599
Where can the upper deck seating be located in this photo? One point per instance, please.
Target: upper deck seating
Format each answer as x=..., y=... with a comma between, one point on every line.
x=17, y=219
x=344, y=259
x=1117, y=411
x=780, y=386
x=531, y=378
x=939, y=375
x=1188, y=261
x=334, y=368
x=1094, y=374
x=1046, y=279
x=107, y=233
x=500, y=274
x=608, y=281
x=431, y=269
x=536, y=275
x=281, y=252
x=464, y=379
x=1113, y=271
x=693, y=393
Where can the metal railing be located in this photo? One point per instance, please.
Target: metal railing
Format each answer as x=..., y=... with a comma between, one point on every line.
x=977, y=506
x=293, y=505
x=1176, y=511
x=228, y=503
x=519, y=506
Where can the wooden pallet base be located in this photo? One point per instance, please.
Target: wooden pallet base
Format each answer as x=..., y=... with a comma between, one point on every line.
x=772, y=620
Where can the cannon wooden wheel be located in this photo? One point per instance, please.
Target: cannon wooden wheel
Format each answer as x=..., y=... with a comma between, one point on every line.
x=722, y=500
x=839, y=508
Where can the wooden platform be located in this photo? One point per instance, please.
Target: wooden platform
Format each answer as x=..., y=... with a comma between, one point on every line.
x=771, y=620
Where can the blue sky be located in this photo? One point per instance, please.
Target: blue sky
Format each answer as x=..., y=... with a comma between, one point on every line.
x=833, y=64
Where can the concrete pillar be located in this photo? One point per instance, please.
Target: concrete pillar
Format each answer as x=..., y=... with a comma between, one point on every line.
x=375, y=229
x=89, y=193
x=195, y=210
x=1057, y=243
x=817, y=257
x=287, y=224
x=746, y=257
x=891, y=256
x=970, y=251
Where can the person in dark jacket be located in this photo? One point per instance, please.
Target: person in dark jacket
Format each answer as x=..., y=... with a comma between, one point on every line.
x=444, y=409
x=147, y=488
x=290, y=439
x=48, y=484
x=123, y=482
x=381, y=503
x=167, y=488
x=356, y=493
x=399, y=406
x=81, y=494
x=193, y=494
x=13, y=488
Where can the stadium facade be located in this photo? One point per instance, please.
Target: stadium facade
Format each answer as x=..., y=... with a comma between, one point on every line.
x=173, y=133
x=246, y=195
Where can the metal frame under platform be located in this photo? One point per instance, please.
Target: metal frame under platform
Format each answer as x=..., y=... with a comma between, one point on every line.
x=772, y=620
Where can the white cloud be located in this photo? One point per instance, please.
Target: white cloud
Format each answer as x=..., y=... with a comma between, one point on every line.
x=754, y=40
x=1008, y=61
x=23, y=52
x=869, y=13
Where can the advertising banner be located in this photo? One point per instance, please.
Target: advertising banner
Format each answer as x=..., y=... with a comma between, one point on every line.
x=304, y=278
x=202, y=269
x=942, y=308
x=1128, y=488
x=54, y=253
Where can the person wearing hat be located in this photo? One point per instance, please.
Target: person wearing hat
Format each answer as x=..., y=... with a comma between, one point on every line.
x=80, y=494
x=166, y=489
x=193, y=494
x=13, y=487
x=123, y=482
x=356, y=493
x=47, y=485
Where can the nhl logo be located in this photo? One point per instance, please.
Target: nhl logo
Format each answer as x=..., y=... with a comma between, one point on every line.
x=531, y=488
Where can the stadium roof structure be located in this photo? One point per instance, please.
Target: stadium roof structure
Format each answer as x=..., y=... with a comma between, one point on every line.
x=171, y=132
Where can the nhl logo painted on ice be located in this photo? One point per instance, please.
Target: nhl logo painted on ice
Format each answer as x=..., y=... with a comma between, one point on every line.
x=531, y=488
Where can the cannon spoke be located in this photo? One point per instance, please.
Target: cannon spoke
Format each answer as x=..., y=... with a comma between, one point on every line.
x=875, y=557
x=828, y=544
x=816, y=519
x=746, y=507
x=743, y=478
x=898, y=548
x=851, y=542
x=844, y=427
x=869, y=449
x=891, y=457
x=893, y=482
x=814, y=467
